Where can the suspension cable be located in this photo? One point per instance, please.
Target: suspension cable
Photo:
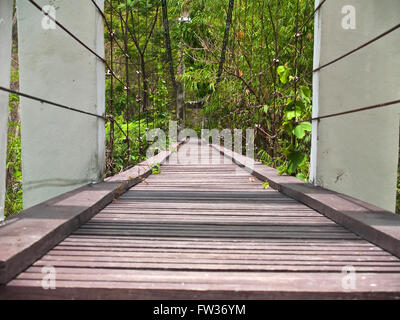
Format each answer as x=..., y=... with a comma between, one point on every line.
x=358, y=48
x=110, y=28
x=307, y=73
x=55, y=104
x=380, y=105
x=76, y=39
x=276, y=60
x=59, y=105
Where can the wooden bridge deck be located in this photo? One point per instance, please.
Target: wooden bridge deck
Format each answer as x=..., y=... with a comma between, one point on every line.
x=210, y=231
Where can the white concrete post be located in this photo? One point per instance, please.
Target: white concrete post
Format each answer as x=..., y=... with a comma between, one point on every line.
x=357, y=154
x=6, y=11
x=61, y=150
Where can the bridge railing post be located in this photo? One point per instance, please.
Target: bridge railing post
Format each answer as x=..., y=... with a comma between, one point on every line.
x=61, y=150
x=6, y=12
x=356, y=154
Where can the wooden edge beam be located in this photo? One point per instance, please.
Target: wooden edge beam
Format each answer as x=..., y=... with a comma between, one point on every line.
x=374, y=224
x=33, y=232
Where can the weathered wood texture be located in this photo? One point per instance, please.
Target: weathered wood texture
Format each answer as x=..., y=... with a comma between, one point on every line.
x=209, y=231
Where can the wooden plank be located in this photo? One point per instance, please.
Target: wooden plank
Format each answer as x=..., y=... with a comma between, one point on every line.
x=289, y=266
x=236, y=242
x=216, y=207
x=132, y=243
x=211, y=277
x=297, y=251
x=213, y=285
x=220, y=219
x=231, y=235
x=217, y=256
x=210, y=226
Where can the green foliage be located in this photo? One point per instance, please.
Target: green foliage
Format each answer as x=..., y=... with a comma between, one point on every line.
x=13, y=201
x=138, y=145
x=254, y=92
x=156, y=169
x=283, y=73
x=14, y=193
x=300, y=130
x=302, y=177
x=296, y=159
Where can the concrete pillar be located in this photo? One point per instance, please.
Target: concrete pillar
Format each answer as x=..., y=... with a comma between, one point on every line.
x=61, y=150
x=357, y=154
x=6, y=11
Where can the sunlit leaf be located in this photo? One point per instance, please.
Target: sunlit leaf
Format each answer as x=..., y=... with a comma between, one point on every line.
x=300, y=130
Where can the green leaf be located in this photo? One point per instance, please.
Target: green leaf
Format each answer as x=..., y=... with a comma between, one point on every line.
x=302, y=177
x=283, y=73
x=265, y=184
x=300, y=130
x=300, y=105
x=305, y=91
x=296, y=159
x=156, y=169
x=281, y=69
x=265, y=108
x=291, y=114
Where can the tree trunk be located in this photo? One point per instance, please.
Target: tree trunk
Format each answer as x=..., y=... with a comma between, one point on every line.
x=226, y=39
x=145, y=82
x=180, y=96
x=168, y=45
x=180, y=99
